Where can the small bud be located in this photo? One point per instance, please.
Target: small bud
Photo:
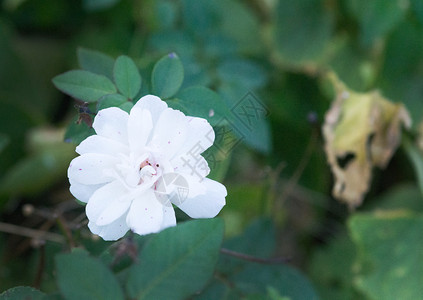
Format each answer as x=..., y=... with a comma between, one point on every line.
x=28, y=209
x=312, y=117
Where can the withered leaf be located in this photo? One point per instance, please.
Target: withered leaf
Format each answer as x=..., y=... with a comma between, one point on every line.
x=361, y=130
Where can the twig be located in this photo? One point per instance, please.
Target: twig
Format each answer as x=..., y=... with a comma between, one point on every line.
x=270, y=261
x=40, y=267
x=79, y=221
x=31, y=233
x=301, y=166
x=66, y=230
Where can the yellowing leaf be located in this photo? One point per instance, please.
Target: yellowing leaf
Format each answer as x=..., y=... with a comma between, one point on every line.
x=361, y=130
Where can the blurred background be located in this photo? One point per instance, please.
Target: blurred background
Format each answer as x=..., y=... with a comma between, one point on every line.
x=275, y=51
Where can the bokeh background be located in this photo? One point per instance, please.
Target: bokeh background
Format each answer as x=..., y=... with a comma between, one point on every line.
x=279, y=52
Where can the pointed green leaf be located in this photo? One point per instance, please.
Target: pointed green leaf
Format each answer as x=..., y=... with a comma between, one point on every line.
x=96, y=62
x=126, y=76
x=127, y=106
x=112, y=100
x=201, y=102
x=22, y=292
x=84, y=85
x=82, y=277
x=177, y=262
x=167, y=76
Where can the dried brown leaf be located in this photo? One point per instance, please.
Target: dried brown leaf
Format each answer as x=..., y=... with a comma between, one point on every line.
x=361, y=130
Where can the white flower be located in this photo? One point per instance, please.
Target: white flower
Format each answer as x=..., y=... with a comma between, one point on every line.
x=136, y=165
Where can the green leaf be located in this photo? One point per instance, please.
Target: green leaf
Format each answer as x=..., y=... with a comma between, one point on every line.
x=84, y=85
x=248, y=117
x=331, y=268
x=259, y=137
x=376, y=18
x=287, y=281
x=127, y=106
x=21, y=293
x=389, y=254
x=177, y=262
x=218, y=290
x=127, y=77
x=257, y=240
x=401, y=196
x=274, y=294
x=167, y=76
x=201, y=102
x=77, y=131
x=112, y=100
x=96, y=62
x=82, y=277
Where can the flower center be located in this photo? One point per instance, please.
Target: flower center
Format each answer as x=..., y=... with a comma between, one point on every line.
x=138, y=172
x=148, y=170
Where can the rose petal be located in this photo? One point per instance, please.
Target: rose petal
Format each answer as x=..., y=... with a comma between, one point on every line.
x=112, y=123
x=91, y=168
x=201, y=137
x=83, y=192
x=192, y=164
x=103, y=198
x=145, y=214
x=153, y=104
x=169, y=218
x=101, y=144
x=176, y=187
x=140, y=125
x=170, y=132
x=112, y=231
x=207, y=205
x=113, y=211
